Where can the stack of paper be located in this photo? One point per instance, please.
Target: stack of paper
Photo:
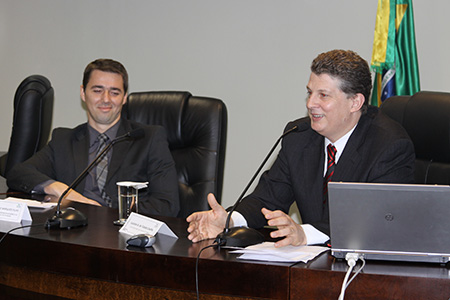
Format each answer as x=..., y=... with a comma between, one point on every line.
x=267, y=252
x=32, y=203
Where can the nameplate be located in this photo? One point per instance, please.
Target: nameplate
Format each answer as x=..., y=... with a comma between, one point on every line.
x=138, y=224
x=14, y=211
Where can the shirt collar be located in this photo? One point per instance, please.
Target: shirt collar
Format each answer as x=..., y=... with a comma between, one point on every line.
x=111, y=133
x=339, y=144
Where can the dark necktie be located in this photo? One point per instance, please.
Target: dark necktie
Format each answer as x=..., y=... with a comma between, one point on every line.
x=102, y=168
x=331, y=162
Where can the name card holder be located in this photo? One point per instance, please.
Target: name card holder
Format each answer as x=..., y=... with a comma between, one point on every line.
x=14, y=212
x=137, y=224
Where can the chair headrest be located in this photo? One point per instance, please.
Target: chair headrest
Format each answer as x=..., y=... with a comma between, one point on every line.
x=158, y=108
x=427, y=120
x=37, y=84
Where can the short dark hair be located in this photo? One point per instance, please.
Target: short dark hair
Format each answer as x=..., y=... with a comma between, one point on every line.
x=106, y=65
x=352, y=70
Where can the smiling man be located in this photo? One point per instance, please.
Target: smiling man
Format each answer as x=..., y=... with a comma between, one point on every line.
x=358, y=142
x=147, y=159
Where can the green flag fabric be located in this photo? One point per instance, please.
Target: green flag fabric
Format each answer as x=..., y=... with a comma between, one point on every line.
x=394, y=54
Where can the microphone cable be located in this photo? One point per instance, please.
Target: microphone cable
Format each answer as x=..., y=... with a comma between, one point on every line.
x=196, y=268
x=20, y=227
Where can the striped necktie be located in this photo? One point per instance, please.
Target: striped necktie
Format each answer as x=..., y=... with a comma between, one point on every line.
x=102, y=168
x=331, y=162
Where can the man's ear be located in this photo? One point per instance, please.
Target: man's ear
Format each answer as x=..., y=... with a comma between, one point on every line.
x=357, y=102
x=82, y=94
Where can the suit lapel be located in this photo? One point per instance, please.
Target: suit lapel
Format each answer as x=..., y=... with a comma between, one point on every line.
x=119, y=150
x=346, y=165
x=80, y=149
x=351, y=157
x=314, y=163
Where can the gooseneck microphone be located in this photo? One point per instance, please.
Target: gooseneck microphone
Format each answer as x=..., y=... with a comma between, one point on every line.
x=71, y=217
x=245, y=236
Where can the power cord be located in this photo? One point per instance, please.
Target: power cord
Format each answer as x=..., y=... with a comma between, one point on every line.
x=351, y=259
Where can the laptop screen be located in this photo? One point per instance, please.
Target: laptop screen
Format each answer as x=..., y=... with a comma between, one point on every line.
x=390, y=221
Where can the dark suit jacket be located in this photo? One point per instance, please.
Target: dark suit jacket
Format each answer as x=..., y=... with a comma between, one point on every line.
x=144, y=159
x=379, y=150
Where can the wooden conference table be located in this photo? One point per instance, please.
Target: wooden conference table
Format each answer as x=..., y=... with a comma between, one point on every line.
x=93, y=262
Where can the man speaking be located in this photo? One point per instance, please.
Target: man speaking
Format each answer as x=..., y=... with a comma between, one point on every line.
x=344, y=140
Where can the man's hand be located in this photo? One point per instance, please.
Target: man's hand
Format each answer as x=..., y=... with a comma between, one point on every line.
x=56, y=189
x=207, y=224
x=293, y=232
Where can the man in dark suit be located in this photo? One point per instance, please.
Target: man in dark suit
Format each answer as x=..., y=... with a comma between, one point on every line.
x=144, y=159
x=370, y=147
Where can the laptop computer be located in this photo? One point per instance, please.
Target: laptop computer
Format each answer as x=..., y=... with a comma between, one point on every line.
x=399, y=222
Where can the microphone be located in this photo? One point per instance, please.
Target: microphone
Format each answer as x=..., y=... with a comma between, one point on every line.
x=71, y=217
x=245, y=236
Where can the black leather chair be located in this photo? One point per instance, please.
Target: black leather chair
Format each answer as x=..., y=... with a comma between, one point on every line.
x=32, y=120
x=197, y=131
x=426, y=118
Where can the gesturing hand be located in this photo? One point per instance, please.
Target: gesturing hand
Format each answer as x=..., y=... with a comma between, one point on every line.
x=207, y=224
x=288, y=228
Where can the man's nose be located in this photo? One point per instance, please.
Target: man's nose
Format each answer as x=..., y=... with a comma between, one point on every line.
x=311, y=101
x=106, y=96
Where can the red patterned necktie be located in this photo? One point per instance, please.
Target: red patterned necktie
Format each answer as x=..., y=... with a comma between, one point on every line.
x=331, y=162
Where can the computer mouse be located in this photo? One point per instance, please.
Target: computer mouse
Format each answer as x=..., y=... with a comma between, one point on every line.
x=141, y=240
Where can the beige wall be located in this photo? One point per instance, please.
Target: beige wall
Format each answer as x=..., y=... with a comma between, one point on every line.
x=253, y=54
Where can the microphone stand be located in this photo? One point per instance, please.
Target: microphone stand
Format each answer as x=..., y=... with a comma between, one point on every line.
x=71, y=217
x=246, y=236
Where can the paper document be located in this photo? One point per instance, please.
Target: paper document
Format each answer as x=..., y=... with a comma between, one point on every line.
x=267, y=252
x=32, y=203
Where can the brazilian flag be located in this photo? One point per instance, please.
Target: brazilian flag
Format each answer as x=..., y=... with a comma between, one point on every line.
x=394, y=54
